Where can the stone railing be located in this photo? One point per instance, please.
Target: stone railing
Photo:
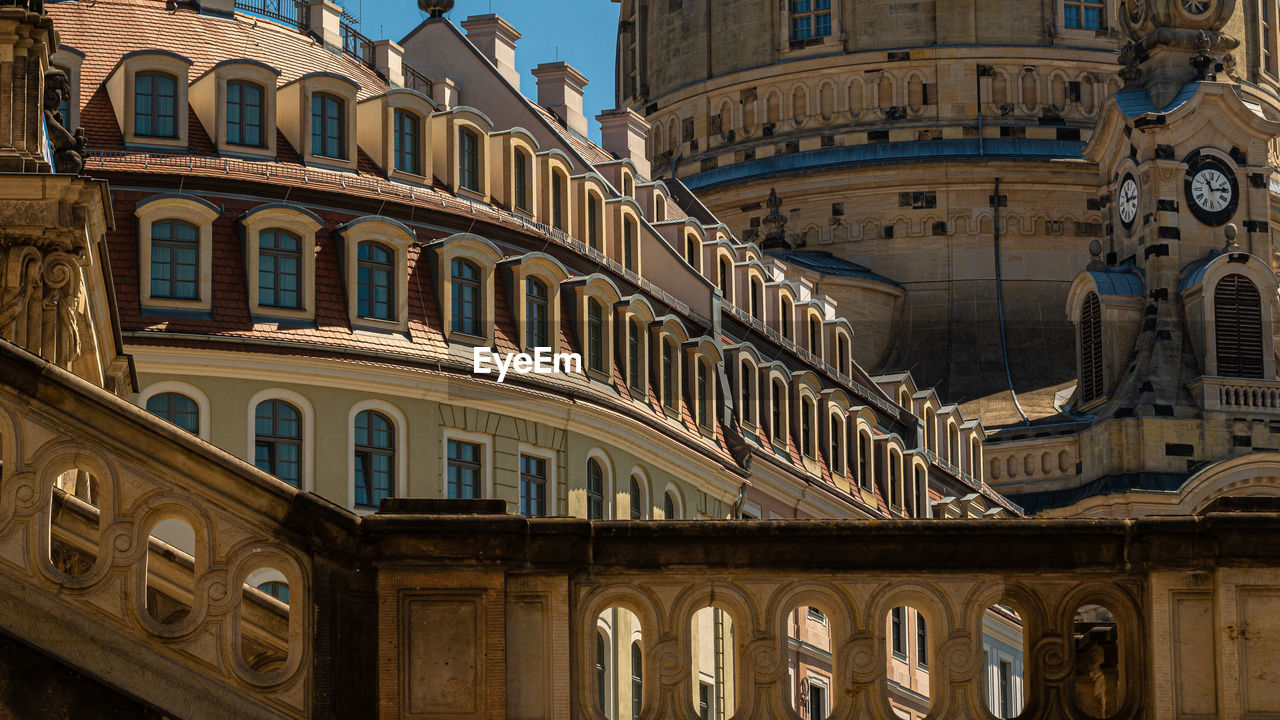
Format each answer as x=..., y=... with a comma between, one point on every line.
x=1254, y=397
x=410, y=613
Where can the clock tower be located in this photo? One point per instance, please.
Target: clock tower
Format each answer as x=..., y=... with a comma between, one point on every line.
x=1174, y=312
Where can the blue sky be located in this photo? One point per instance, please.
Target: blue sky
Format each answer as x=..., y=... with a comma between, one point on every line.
x=581, y=32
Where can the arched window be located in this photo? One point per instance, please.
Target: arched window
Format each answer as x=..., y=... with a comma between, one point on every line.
x=602, y=671
x=279, y=274
x=704, y=393
x=895, y=478
x=468, y=159
x=408, y=142
x=1237, y=315
x=726, y=276
x=668, y=374
x=669, y=506
x=836, y=461
x=375, y=459
x=177, y=409
x=806, y=427
x=175, y=260
x=784, y=320
x=920, y=493
x=843, y=356
x=930, y=430
x=628, y=186
x=328, y=131
x=691, y=252
x=629, y=244
x=537, y=321
x=953, y=444
x=520, y=179
x=634, y=380
x=595, y=335
x=155, y=105
x=748, y=381
x=1092, y=380
x=593, y=221
x=777, y=405
x=637, y=680
x=276, y=589
x=757, y=290
x=278, y=440
x=464, y=277
x=637, y=499
x=557, y=200
x=975, y=456
x=244, y=114
x=815, y=336
x=595, y=490
x=376, y=284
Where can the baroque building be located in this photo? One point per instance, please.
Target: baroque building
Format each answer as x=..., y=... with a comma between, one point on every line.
x=1015, y=177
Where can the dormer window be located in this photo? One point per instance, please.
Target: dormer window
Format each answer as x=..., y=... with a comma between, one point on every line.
x=629, y=244
x=593, y=221
x=691, y=252
x=520, y=170
x=245, y=113
x=557, y=200
x=408, y=142
x=595, y=336
x=784, y=322
x=757, y=289
x=279, y=263
x=536, y=315
x=175, y=260
x=704, y=395
x=328, y=126
x=465, y=280
x=725, y=279
x=778, y=410
x=376, y=282
x=807, y=412
x=634, y=381
x=815, y=336
x=468, y=159
x=668, y=374
x=155, y=105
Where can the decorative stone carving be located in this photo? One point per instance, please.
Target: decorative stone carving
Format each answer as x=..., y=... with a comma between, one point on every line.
x=436, y=8
x=68, y=146
x=42, y=307
x=775, y=223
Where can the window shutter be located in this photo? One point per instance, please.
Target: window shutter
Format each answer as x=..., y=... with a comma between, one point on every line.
x=1091, y=371
x=1237, y=314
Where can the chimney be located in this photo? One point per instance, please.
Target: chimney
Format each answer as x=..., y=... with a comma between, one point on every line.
x=623, y=133
x=222, y=8
x=445, y=93
x=325, y=20
x=388, y=59
x=560, y=91
x=495, y=38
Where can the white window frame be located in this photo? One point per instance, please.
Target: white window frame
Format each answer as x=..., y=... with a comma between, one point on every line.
x=607, y=491
x=486, y=454
x=401, y=449
x=182, y=388
x=553, y=486
x=308, y=418
x=187, y=208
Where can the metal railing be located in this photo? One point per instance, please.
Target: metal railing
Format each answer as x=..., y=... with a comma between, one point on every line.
x=357, y=45
x=291, y=12
x=415, y=80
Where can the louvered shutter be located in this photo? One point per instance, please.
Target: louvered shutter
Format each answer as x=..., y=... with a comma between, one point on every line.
x=1237, y=315
x=1091, y=373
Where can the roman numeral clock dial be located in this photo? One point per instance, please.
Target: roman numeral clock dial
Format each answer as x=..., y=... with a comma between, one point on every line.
x=1127, y=201
x=1212, y=192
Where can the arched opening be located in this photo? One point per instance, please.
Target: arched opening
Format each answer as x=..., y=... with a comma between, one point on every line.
x=75, y=523
x=1237, y=314
x=1099, y=663
x=618, y=684
x=170, y=567
x=1091, y=367
x=910, y=652
x=811, y=668
x=713, y=664
x=264, y=620
x=1003, y=650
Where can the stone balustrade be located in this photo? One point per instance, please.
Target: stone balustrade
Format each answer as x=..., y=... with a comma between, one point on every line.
x=423, y=611
x=1252, y=397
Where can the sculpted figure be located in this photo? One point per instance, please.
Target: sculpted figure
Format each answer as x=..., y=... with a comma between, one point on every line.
x=68, y=147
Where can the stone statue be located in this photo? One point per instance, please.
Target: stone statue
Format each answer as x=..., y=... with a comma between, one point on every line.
x=68, y=147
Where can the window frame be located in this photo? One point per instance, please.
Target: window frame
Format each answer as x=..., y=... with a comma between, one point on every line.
x=400, y=444
x=599, y=457
x=263, y=125
x=295, y=102
x=469, y=173
x=398, y=239
x=367, y=274
x=399, y=116
x=519, y=271
x=183, y=388
x=170, y=395
x=69, y=59
x=485, y=442
x=175, y=245
x=393, y=451
x=277, y=273
x=796, y=48
x=299, y=221
x=486, y=256
x=551, y=481
x=339, y=124
x=306, y=431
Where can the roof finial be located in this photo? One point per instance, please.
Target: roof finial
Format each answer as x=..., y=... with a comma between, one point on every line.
x=435, y=8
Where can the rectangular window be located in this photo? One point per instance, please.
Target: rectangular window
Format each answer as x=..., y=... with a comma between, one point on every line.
x=279, y=258
x=593, y=222
x=1268, y=28
x=705, y=706
x=533, y=486
x=1083, y=14
x=327, y=126
x=244, y=114
x=155, y=105
x=1005, y=702
x=776, y=412
x=629, y=245
x=810, y=19
x=704, y=414
x=464, y=470
x=595, y=336
x=633, y=357
x=899, y=640
x=817, y=701
x=668, y=376
x=175, y=260
x=468, y=160
x=922, y=642
x=375, y=268
x=408, y=142
x=520, y=170
x=557, y=201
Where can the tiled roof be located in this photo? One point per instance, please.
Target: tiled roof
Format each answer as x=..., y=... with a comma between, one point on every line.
x=828, y=264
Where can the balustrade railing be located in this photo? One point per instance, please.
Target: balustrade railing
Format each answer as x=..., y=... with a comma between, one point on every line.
x=290, y=12
x=1261, y=397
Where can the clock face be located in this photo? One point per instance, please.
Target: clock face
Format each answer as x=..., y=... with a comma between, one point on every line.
x=1127, y=200
x=1212, y=192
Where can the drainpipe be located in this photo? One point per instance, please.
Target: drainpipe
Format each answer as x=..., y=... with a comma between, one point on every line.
x=1004, y=344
